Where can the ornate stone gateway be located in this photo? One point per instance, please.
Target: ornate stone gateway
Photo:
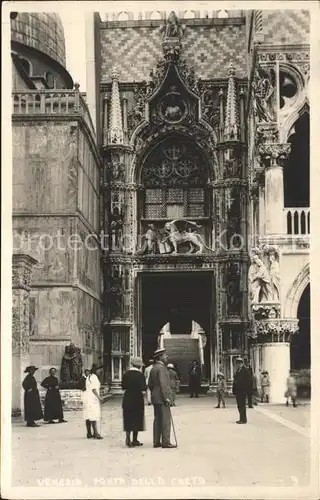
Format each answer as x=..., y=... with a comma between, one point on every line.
x=175, y=196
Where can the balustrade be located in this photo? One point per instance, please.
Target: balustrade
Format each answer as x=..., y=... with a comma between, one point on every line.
x=297, y=221
x=48, y=102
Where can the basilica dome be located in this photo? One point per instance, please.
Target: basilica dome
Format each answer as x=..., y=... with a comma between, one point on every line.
x=41, y=31
x=38, y=49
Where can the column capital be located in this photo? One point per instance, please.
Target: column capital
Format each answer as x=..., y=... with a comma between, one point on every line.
x=273, y=155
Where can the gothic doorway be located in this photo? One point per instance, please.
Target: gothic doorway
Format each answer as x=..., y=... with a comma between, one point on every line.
x=178, y=299
x=300, y=344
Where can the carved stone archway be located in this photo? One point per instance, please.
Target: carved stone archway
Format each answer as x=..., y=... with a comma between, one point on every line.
x=296, y=290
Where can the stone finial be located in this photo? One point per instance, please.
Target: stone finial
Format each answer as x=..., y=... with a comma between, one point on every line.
x=231, y=128
x=173, y=27
x=115, y=74
x=116, y=126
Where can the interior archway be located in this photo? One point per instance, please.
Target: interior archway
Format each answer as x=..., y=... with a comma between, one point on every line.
x=300, y=343
x=297, y=167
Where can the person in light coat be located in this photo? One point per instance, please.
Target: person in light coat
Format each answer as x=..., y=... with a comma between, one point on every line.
x=174, y=383
x=92, y=404
x=265, y=385
x=291, y=391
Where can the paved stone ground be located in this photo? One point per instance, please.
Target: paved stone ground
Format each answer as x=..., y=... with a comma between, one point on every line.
x=271, y=450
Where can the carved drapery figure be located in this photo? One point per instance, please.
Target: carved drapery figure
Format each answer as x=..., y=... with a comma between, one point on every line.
x=150, y=241
x=274, y=272
x=172, y=28
x=71, y=365
x=233, y=289
x=259, y=280
x=263, y=89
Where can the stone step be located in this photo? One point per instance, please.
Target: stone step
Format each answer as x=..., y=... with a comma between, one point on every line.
x=182, y=350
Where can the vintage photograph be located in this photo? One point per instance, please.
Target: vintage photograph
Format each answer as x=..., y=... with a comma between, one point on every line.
x=160, y=251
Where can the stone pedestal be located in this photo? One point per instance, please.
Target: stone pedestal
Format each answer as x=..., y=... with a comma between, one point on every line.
x=22, y=265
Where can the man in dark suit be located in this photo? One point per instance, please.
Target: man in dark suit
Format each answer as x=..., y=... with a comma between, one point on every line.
x=159, y=384
x=250, y=390
x=241, y=386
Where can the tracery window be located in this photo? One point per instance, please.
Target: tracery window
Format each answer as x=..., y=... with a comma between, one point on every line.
x=174, y=177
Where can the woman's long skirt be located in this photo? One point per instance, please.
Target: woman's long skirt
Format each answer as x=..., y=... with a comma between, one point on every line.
x=53, y=405
x=133, y=412
x=32, y=406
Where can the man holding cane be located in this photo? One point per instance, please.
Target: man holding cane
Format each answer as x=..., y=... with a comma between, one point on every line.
x=159, y=384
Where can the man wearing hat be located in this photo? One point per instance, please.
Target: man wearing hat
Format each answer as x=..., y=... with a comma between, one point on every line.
x=32, y=405
x=241, y=387
x=159, y=384
x=147, y=375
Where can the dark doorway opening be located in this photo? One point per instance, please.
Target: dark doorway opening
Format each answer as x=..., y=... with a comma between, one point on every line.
x=300, y=344
x=297, y=168
x=176, y=298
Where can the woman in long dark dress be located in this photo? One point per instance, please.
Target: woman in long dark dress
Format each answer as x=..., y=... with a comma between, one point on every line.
x=52, y=403
x=134, y=384
x=32, y=405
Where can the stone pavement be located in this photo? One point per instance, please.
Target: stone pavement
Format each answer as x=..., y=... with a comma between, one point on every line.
x=273, y=449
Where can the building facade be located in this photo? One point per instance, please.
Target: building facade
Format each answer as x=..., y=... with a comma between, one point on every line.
x=184, y=170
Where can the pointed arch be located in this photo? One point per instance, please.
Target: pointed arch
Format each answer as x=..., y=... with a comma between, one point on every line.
x=295, y=292
x=289, y=122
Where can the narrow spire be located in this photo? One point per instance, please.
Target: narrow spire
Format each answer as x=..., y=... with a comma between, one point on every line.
x=115, y=128
x=231, y=127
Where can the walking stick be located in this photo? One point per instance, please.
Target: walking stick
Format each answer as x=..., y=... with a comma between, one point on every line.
x=174, y=431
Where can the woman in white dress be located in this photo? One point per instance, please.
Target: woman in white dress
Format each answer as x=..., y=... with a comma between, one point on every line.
x=91, y=404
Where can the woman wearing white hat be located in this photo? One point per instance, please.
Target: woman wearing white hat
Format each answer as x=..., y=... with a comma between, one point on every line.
x=134, y=384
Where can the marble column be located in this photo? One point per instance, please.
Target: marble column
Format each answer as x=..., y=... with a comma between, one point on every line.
x=276, y=360
x=273, y=156
x=21, y=275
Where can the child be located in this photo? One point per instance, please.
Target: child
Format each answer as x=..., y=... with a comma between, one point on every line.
x=221, y=390
x=265, y=383
x=174, y=383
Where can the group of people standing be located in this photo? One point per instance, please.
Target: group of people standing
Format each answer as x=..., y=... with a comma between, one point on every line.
x=52, y=403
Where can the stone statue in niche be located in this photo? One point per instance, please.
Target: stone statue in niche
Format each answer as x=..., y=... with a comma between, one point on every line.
x=116, y=294
x=263, y=90
x=233, y=289
x=150, y=241
x=71, y=365
x=264, y=275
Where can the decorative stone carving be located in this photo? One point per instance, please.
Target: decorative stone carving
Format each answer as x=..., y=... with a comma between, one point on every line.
x=267, y=133
x=263, y=86
x=180, y=232
x=210, y=105
x=173, y=27
x=173, y=108
x=71, y=365
x=150, y=241
x=264, y=275
x=271, y=155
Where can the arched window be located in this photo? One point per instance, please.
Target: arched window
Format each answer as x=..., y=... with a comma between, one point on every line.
x=297, y=168
x=174, y=178
x=26, y=65
x=223, y=14
x=50, y=80
x=155, y=15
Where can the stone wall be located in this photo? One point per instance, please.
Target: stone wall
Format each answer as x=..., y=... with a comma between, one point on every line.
x=208, y=46
x=285, y=27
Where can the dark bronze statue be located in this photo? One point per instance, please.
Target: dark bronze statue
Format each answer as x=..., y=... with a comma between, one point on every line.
x=71, y=365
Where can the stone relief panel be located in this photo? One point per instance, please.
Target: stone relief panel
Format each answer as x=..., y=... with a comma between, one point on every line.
x=89, y=315
x=41, y=168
